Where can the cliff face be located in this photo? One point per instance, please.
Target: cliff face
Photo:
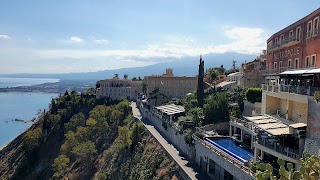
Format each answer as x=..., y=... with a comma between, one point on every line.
x=84, y=138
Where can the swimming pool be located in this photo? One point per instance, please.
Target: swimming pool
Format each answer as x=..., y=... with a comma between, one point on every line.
x=231, y=147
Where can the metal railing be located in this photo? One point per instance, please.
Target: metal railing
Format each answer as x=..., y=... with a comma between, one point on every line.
x=225, y=155
x=279, y=148
x=303, y=90
x=284, y=42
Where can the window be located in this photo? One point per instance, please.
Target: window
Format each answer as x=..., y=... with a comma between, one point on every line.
x=275, y=65
x=280, y=64
x=307, y=61
x=291, y=36
x=298, y=33
x=168, y=84
x=276, y=42
x=315, y=26
x=296, y=63
x=270, y=66
x=282, y=39
x=309, y=29
x=289, y=63
x=152, y=83
x=313, y=60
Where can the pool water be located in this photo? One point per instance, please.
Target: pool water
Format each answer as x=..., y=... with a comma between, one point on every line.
x=231, y=147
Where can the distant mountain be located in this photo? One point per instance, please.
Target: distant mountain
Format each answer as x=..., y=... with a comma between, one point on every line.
x=184, y=66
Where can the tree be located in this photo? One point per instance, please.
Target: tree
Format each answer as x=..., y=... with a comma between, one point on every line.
x=216, y=108
x=60, y=166
x=254, y=95
x=97, y=84
x=134, y=79
x=85, y=151
x=32, y=139
x=197, y=116
x=139, y=78
x=237, y=95
x=125, y=76
x=200, y=90
x=144, y=87
x=212, y=74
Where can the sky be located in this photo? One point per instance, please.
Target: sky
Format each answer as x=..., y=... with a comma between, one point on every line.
x=62, y=36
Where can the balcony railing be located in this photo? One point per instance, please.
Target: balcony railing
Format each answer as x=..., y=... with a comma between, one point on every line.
x=284, y=42
x=303, y=90
x=276, y=146
x=225, y=155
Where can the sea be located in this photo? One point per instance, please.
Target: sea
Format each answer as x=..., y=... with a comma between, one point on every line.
x=20, y=106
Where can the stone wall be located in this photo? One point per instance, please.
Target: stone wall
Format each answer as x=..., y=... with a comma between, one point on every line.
x=312, y=144
x=171, y=135
x=204, y=154
x=249, y=107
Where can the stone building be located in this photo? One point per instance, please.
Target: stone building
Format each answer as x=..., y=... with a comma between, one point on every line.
x=294, y=47
x=252, y=71
x=116, y=88
x=172, y=86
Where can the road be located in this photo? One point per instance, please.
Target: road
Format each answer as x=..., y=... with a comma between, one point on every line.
x=172, y=151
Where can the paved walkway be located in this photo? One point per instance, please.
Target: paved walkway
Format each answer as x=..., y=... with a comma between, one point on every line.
x=174, y=153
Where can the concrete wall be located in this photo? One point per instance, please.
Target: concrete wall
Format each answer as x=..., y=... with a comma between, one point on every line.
x=204, y=153
x=249, y=107
x=171, y=135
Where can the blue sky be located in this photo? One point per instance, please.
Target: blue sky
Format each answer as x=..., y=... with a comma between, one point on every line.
x=62, y=36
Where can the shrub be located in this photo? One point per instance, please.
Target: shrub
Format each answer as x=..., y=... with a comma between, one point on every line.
x=32, y=139
x=254, y=95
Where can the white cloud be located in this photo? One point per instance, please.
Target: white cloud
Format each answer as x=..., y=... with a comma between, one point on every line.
x=76, y=39
x=101, y=41
x=243, y=40
x=3, y=36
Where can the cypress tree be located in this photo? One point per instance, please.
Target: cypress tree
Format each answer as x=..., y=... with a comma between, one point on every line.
x=200, y=90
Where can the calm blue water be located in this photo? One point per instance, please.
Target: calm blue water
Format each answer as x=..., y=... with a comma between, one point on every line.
x=232, y=147
x=14, y=82
x=20, y=106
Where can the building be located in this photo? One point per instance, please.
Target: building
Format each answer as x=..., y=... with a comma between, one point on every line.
x=252, y=71
x=172, y=86
x=289, y=124
x=116, y=88
x=294, y=47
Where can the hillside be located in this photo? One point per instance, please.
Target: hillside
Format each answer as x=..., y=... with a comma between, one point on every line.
x=82, y=138
x=184, y=66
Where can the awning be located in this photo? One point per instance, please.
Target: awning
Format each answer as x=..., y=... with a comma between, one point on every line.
x=271, y=125
x=298, y=125
x=171, y=109
x=302, y=71
x=279, y=131
x=311, y=71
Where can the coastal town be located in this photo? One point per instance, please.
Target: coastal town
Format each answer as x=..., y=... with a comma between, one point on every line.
x=272, y=106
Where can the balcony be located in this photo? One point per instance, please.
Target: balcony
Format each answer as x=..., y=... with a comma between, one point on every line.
x=274, y=144
x=286, y=42
x=302, y=90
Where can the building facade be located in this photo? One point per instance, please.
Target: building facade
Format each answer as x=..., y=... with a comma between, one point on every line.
x=172, y=86
x=252, y=71
x=116, y=88
x=294, y=47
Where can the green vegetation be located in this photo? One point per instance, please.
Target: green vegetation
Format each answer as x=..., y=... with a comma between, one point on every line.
x=32, y=139
x=254, y=95
x=310, y=169
x=81, y=137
